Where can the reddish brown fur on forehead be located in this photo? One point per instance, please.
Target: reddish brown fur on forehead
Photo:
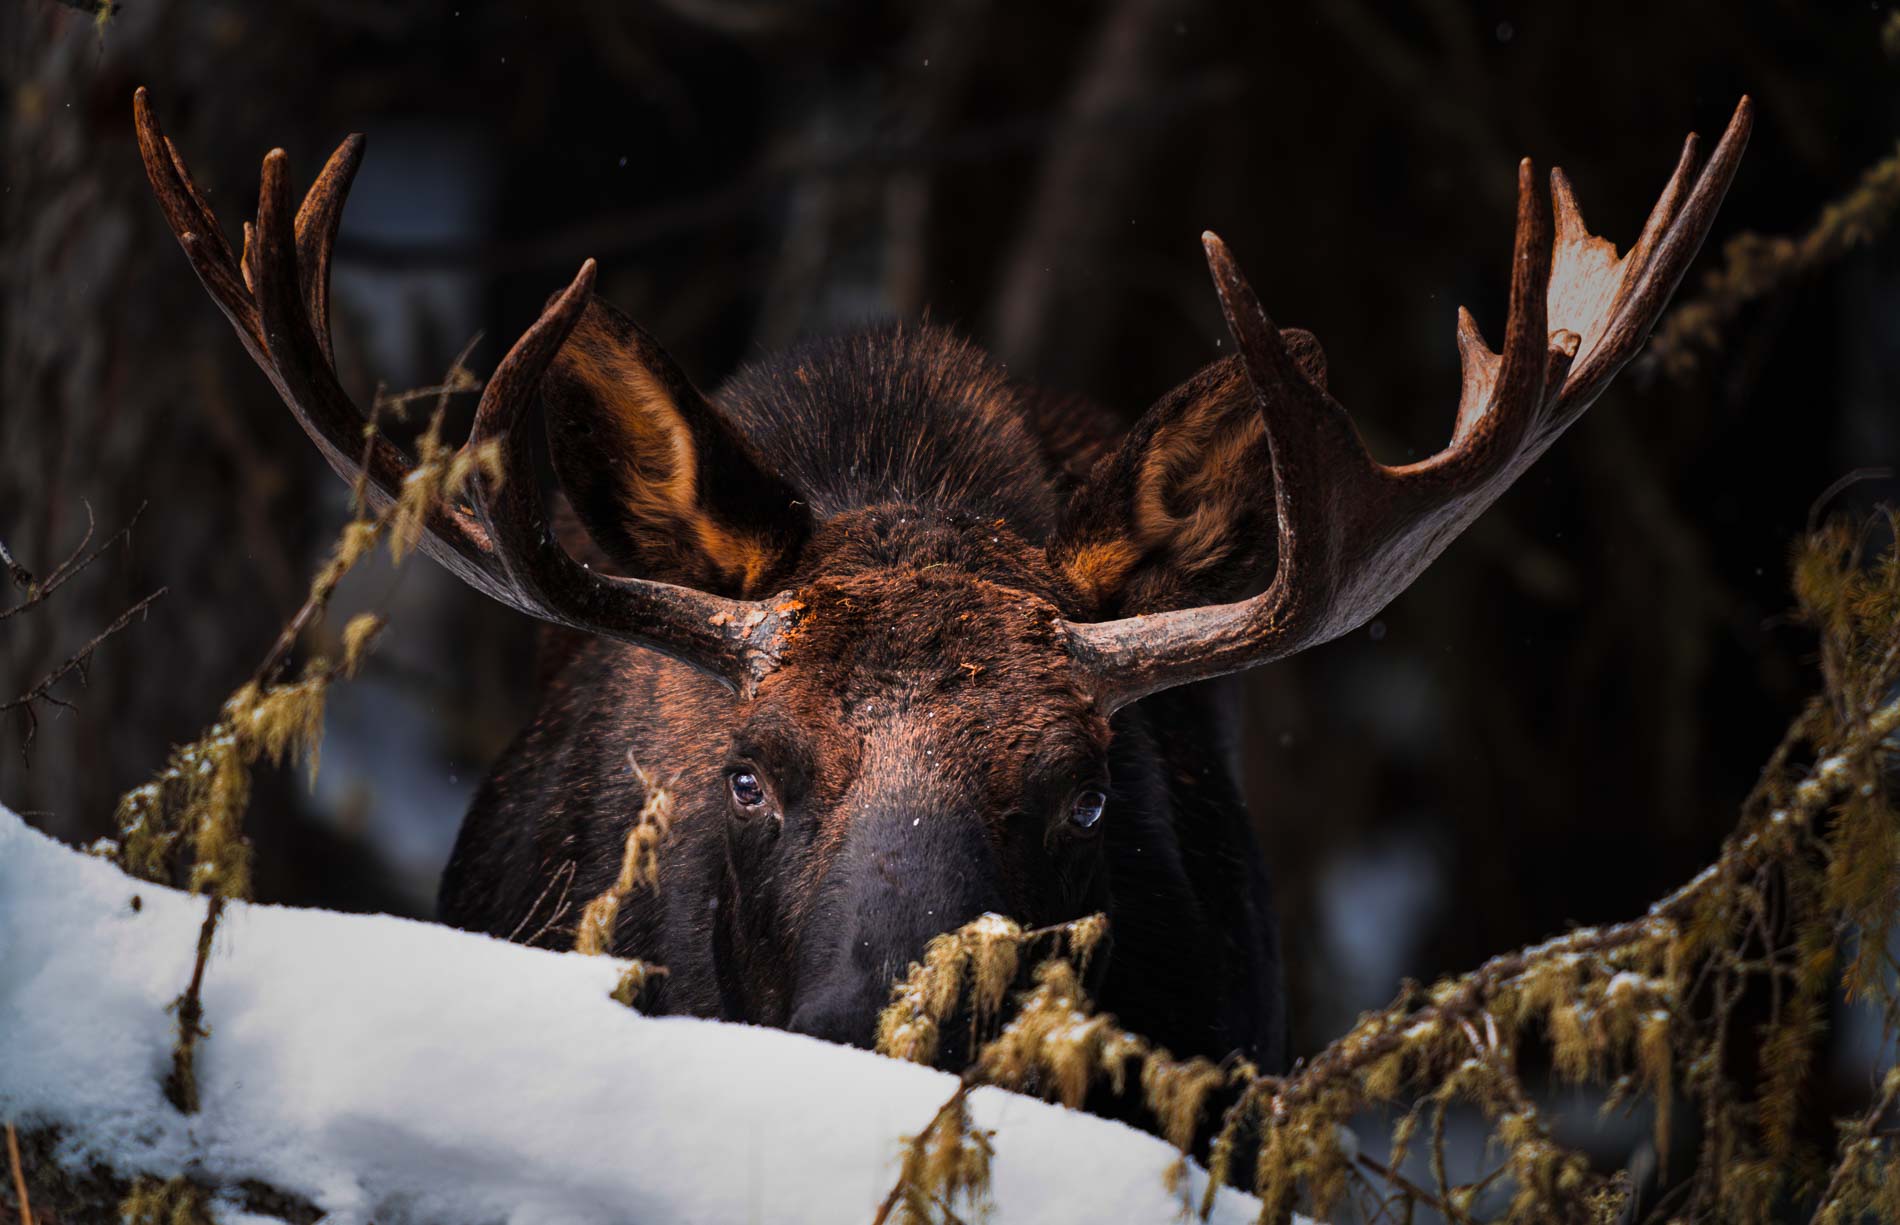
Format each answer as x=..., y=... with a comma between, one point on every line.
x=932, y=628
x=892, y=539
x=964, y=681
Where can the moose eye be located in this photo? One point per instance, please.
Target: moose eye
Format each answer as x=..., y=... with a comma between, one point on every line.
x=1087, y=809
x=746, y=789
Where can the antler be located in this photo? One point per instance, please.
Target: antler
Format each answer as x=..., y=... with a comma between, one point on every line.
x=277, y=297
x=1354, y=533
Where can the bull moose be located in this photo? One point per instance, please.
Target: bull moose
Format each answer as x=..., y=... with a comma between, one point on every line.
x=911, y=640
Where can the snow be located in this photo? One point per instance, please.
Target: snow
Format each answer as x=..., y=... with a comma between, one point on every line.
x=399, y=1071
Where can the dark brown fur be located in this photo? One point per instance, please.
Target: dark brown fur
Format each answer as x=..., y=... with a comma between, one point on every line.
x=924, y=737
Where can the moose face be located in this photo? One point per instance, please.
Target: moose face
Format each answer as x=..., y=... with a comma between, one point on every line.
x=924, y=746
x=923, y=755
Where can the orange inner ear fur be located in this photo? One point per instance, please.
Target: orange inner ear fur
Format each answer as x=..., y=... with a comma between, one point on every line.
x=656, y=463
x=1192, y=484
x=1196, y=481
x=1101, y=567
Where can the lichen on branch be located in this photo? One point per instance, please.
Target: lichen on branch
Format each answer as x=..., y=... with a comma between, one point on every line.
x=1802, y=896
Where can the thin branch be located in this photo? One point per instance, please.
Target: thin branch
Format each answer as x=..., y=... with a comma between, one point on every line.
x=182, y=1085
x=38, y=590
x=21, y=576
x=1842, y=484
x=1855, y=1140
x=560, y=905
x=19, y=1175
x=77, y=661
x=1391, y=1175
x=458, y=380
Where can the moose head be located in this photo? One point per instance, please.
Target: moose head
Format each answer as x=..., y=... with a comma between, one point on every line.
x=887, y=619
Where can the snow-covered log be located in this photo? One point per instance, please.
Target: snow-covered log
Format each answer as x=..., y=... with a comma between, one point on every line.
x=396, y=1071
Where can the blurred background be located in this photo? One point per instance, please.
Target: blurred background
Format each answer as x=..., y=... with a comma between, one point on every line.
x=1555, y=725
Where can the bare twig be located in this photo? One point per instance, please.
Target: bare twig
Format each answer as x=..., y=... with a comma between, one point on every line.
x=1841, y=484
x=38, y=590
x=21, y=576
x=76, y=662
x=1856, y=1140
x=564, y=875
x=1391, y=1175
x=19, y=1175
x=182, y=1085
x=459, y=380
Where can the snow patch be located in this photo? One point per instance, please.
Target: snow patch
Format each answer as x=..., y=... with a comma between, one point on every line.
x=400, y=1071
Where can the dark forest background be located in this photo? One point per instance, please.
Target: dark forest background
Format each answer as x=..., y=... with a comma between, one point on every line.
x=1554, y=725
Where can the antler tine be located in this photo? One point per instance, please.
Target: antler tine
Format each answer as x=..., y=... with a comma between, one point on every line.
x=296, y=357
x=202, y=206
x=1490, y=431
x=317, y=221
x=185, y=206
x=1668, y=204
x=1307, y=431
x=512, y=514
x=195, y=227
x=269, y=301
x=733, y=640
x=1653, y=282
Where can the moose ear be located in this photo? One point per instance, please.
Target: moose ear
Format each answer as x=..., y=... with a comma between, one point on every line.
x=1181, y=512
x=664, y=485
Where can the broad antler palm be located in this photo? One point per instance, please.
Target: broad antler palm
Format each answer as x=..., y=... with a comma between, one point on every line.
x=1354, y=533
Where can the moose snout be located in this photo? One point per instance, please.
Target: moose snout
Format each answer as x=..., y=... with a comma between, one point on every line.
x=839, y=1015
x=901, y=880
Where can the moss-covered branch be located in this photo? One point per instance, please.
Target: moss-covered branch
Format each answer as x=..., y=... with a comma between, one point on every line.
x=186, y=825
x=1802, y=896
